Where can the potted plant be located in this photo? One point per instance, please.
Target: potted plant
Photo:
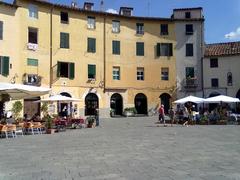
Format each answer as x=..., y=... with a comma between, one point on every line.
x=90, y=121
x=130, y=111
x=49, y=124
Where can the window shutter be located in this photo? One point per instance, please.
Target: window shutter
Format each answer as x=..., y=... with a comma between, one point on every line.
x=91, y=70
x=140, y=49
x=58, y=68
x=170, y=49
x=5, y=70
x=71, y=73
x=66, y=40
x=1, y=30
x=158, y=50
x=91, y=45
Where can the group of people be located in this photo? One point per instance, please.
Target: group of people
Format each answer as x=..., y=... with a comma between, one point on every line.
x=187, y=113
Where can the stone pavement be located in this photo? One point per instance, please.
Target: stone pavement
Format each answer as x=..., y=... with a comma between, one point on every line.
x=125, y=149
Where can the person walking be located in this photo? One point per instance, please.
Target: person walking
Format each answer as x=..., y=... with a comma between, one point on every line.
x=171, y=114
x=162, y=114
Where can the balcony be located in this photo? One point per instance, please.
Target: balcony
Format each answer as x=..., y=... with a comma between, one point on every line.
x=32, y=79
x=190, y=83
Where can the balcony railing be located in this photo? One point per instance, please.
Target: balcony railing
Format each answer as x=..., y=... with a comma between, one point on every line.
x=191, y=83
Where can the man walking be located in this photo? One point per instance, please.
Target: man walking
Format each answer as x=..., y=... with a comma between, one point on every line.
x=162, y=114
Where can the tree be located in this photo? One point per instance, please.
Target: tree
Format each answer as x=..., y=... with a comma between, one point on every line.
x=16, y=109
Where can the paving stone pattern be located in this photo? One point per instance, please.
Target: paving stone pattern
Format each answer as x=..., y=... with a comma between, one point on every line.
x=125, y=149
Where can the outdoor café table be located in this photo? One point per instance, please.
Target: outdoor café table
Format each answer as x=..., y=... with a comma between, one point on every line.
x=78, y=122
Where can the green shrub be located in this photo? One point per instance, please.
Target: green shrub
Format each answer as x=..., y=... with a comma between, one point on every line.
x=131, y=109
x=16, y=109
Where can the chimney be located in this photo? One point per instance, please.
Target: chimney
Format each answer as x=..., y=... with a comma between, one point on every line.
x=126, y=11
x=88, y=6
x=74, y=4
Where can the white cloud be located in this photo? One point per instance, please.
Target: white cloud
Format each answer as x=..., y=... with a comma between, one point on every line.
x=113, y=11
x=234, y=34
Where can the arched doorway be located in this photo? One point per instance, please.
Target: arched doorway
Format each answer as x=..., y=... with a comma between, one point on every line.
x=212, y=106
x=116, y=103
x=65, y=108
x=238, y=104
x=91, y=104
x=165, y=100
x=141, y=103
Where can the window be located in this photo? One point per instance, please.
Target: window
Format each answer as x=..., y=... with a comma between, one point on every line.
x=213, y=62
x=91, y=24
x=140, y=48
x=91, y=45
x=116, y=47
x=64, y=17
x=65, y=69
x=140, y=74
x=164, y=49
x=64, y=40
x=33, y=11
x=190, y=72
x=229, y=79
x=32, y=79
x=33, y=35
x=115, y=26
x=32, y=62
x=214, y=82
x=1, y=30
x=187, y=15
x=4, y=65
x=91, y=71
x=189, y=29
x=189, y=49
x=164, y=74
x=140, y=28
x=164, y=29
x=116, y=73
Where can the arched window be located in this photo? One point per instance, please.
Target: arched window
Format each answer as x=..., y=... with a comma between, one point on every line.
x=229, y=79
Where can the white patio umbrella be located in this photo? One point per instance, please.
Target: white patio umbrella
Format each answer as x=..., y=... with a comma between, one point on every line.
x=221, y=99
x=20, y=91
x=59, y=98
x=193, y=99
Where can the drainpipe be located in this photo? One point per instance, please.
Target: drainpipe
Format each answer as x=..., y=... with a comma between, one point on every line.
x=104, y=54
x=202, y=56
x=51, y=58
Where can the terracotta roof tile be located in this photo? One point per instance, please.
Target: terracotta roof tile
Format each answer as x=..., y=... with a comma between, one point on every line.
x=222, y=49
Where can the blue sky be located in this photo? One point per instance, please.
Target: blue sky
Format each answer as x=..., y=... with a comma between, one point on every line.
x=222, y=17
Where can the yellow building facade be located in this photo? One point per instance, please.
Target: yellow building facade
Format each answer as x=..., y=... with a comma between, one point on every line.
x=108, y=61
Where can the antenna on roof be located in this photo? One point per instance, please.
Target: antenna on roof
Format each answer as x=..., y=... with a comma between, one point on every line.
x=148, y=8
x=102, y=5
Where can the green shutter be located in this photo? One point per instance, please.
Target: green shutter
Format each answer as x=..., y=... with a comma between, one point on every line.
x=140, y=49
x=91, y=71
x=71, y=73
x=116, y=47
x=58, y=68
x=32, y=62
x=64, y=40
x=1, y=30
x=158, y=50
x=5, y=66
x=91, y=45
x=170, y=46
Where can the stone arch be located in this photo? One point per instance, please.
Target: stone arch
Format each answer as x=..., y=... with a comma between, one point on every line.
x=165, y=100
x=116, y=103
x=141, y=105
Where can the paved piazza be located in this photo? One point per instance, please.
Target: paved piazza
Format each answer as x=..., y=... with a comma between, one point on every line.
x=125, y=149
